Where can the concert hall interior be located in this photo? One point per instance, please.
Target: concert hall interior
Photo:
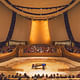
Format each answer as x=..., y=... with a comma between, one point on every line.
x=40, y=40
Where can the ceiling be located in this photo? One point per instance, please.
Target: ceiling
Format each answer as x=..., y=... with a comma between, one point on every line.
x=40, y=9
x=40, y=3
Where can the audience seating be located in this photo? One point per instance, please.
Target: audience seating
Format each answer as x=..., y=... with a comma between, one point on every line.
x=39, y=77
x=73, y=49
x=72, y=53
x=7, y=52
x=6, y=49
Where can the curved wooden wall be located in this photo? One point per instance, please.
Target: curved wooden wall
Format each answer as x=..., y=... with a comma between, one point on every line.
x=73, y=56
x=58, y=53
x=40, y=55
x=74, y=21
x=57, y=28
x=7, y=56
x=23, y=25
x=5, y=21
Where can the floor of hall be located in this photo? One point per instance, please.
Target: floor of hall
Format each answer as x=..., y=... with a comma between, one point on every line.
x=55, y=65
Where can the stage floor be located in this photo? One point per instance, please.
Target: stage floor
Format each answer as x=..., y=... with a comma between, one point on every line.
x=55, y=65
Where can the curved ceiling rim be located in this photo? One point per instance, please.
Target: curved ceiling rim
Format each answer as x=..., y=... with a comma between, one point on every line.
x=39, y=16
x=38, y=13
x=42, y=7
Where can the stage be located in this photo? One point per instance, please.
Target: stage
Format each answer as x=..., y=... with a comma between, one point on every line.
x=54, y=65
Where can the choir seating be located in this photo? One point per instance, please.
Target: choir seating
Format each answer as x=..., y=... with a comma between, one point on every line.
x=39, y=51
